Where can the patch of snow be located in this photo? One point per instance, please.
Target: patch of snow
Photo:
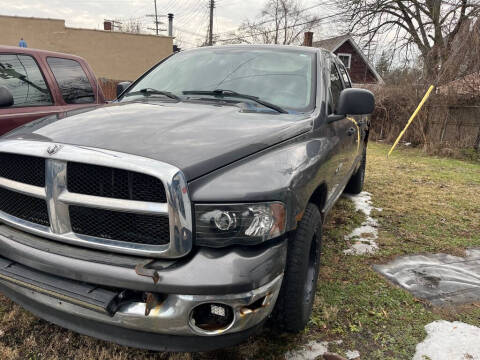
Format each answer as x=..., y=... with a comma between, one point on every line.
x=363, y=237
x=310, y=351
x=449, y=341
x=314, y=349
x=352, y=355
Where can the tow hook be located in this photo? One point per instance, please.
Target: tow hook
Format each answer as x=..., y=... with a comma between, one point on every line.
x=141, y=270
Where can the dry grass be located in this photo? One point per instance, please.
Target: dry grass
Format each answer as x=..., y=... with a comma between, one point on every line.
x=429, y=204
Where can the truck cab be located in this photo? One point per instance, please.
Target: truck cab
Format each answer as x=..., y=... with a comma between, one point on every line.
x=36, y=83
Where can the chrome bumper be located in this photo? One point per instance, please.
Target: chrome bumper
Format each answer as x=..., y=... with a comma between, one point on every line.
x=173, y=315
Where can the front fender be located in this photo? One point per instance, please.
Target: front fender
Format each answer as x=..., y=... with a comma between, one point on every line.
x=289, y=172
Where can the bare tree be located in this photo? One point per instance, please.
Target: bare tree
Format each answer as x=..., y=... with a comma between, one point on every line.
x=132, y=25
x=430, y=26
x=463, y=59
x=280, y=22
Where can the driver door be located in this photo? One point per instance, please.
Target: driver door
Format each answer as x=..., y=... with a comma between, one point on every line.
x=22, y=76
x=343, y=127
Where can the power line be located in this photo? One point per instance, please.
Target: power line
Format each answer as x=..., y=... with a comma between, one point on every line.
x=188, y=32
x=186, y=20
x=288, y=27
x=299, y=12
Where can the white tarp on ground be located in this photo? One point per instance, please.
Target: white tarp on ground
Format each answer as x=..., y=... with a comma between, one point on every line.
x=441, y=279
x=449, y=341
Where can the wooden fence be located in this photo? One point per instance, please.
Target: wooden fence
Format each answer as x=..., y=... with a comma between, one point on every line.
x=109, y=88
x=452, y=126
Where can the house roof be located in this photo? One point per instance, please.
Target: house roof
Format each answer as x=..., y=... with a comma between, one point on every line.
x=332, y=44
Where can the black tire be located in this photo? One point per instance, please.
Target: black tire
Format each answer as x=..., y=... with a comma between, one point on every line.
x=294, y=304
x=355, y=184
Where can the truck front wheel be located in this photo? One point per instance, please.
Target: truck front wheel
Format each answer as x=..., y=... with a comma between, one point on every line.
x=295, y=301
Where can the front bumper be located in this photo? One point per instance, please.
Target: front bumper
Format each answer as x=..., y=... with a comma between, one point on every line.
x=124, y=336
x=247, y=281
x=171, y=316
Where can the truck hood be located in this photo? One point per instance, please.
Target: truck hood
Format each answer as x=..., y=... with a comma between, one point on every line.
x=196, y=137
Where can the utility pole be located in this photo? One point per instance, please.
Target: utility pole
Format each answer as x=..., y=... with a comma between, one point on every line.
x=156, y=16
x=210, y=30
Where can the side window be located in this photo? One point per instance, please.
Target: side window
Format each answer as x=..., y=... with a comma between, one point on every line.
x=345, y=77
x=21, y=75
x=336, y=87
x=72, y=81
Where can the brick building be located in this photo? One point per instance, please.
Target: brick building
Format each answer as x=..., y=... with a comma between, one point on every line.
x=360, y=69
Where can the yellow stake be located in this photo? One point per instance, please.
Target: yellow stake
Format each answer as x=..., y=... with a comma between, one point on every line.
x=411, y=118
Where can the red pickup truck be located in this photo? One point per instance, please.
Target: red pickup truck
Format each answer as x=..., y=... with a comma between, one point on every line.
x=36, y=83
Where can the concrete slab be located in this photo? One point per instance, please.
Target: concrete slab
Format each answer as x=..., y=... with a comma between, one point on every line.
x=439, y=278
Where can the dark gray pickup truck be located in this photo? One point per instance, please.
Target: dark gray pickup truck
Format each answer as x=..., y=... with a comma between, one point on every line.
x=188, y=212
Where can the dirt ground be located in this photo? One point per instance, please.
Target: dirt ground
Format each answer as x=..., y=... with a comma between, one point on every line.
x=430, y=205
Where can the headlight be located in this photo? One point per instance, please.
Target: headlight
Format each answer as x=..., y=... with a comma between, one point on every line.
x=244, y=224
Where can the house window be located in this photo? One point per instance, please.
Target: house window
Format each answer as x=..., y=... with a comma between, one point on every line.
x=346, y=59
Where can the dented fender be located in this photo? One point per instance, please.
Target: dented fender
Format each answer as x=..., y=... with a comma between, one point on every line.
x=289, y=172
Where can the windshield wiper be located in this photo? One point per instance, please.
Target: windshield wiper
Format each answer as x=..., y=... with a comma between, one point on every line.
x=150, y=91
x=231, y=93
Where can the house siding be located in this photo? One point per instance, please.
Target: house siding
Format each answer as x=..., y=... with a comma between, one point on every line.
x=359, y=70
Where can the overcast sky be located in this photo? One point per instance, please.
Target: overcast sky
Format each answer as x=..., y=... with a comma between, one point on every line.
x=191, y=16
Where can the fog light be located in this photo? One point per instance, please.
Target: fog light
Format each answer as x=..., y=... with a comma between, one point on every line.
x=212, y=317
x=217, y=310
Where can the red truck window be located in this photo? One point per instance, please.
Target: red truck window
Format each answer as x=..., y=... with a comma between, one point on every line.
x=72, y=81
x=22, y=76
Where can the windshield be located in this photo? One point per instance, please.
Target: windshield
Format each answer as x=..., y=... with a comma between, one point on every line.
x=281, y=77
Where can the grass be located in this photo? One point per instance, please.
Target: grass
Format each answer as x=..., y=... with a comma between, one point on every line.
x=429, y=204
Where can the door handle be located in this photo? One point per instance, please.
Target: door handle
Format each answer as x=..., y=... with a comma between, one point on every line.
x=351, y=131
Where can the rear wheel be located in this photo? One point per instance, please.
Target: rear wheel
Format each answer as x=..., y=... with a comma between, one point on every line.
x=295, y=301
x=355, y=184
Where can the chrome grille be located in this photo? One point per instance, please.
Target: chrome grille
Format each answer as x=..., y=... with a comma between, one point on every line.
x=113, y=183
x=137, y=206
x=134, y=228
x=26, y=169
x=24, y=207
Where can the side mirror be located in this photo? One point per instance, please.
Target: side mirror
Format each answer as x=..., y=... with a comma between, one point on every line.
x=355, y=102
x=122, y=86
x=6, y=97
